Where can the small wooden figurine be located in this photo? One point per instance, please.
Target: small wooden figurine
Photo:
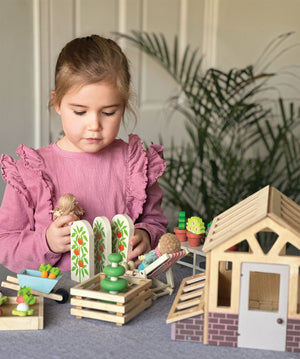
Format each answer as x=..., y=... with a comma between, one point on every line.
x=168, y=243
x=67, y=204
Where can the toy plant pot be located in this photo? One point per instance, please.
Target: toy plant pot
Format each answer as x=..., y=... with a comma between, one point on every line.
x=194, y=239
x=233, y=248
x=180, y=234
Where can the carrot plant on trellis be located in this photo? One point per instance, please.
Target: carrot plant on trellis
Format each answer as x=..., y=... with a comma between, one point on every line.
x=79, y=252
x=120, y=233
x=122, y=230
x=99, y=235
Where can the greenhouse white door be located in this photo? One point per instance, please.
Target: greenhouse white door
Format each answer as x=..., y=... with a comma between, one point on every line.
x=263, y=306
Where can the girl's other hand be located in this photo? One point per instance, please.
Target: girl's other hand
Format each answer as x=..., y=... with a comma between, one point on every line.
x=140, y=243
x=58, y=234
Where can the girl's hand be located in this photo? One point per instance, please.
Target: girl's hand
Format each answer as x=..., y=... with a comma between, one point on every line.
x=58, y=234
x=140, y=243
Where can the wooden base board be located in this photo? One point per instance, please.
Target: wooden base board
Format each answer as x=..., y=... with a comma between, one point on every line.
x=12, y=322
x=90, y=302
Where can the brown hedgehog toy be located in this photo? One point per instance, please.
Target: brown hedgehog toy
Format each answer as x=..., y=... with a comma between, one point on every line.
x=168, y=243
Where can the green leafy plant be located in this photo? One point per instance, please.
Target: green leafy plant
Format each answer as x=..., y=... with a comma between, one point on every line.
x=238, y=140
x=55, y=271
x=45, y=267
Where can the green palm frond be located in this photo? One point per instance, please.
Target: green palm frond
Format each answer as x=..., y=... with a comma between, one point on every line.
x=183, y=69
x=236, y=143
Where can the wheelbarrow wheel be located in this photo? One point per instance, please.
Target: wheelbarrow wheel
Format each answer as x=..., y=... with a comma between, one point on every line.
x=64, y=294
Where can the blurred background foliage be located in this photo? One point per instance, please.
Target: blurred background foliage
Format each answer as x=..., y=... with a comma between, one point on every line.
x=239, y=139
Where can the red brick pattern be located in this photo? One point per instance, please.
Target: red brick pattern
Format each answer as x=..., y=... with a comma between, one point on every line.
x=222, y=329
x=293, y=336
x=190, y=329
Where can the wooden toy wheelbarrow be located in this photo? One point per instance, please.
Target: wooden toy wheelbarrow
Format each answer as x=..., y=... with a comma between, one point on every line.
x=39, y=286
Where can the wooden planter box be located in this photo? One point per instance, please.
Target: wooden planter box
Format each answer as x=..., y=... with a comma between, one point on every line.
x=13, y=322
x=90, y=302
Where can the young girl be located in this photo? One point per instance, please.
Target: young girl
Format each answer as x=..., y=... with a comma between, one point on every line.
x=107, y=175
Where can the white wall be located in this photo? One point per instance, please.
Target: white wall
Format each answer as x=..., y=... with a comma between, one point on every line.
x=230, y=33
x=246, y=27
x=16, y=73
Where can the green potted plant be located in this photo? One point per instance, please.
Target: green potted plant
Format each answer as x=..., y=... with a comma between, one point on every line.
x=180, y=230
x=195, y=231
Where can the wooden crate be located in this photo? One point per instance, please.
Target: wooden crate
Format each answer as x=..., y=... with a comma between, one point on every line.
x=90, y=302
x=13, y=322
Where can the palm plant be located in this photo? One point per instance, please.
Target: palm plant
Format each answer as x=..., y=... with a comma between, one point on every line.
x=237, y=142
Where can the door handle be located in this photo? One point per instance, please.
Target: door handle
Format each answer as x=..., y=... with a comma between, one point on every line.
x=279, y=320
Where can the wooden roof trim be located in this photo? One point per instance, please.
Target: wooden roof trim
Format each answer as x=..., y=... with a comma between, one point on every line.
x=285, y=211
x=247, y=212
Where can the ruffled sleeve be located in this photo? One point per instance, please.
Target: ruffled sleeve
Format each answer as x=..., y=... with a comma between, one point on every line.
x=145, y=167
x=156, y=165
x=137, y=177
x=28, y=177
x=32, y=159
x=24, y=212
x=11, y=175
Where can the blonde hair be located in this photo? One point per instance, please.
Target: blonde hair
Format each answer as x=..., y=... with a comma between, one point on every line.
x=67, y=204
x=88, y=60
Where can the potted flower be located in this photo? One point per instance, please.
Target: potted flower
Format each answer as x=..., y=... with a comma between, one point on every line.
x=180, y=231
x=195, y=231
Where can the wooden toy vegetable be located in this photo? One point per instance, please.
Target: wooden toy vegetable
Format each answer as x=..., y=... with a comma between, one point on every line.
x=24, y=300
x=47, y=271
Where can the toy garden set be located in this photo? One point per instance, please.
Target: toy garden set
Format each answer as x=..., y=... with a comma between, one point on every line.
x=249, y=295
x=110, y=295
x=101, y=293
x=32, y=287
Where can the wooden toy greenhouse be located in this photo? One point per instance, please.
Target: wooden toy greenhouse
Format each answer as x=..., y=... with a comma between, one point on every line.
x=251, y=296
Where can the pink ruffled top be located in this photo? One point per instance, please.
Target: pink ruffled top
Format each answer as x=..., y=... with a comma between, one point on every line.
x=121, y=178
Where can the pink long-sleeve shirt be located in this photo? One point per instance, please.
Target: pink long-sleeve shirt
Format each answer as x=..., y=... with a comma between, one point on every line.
x=121, y=178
